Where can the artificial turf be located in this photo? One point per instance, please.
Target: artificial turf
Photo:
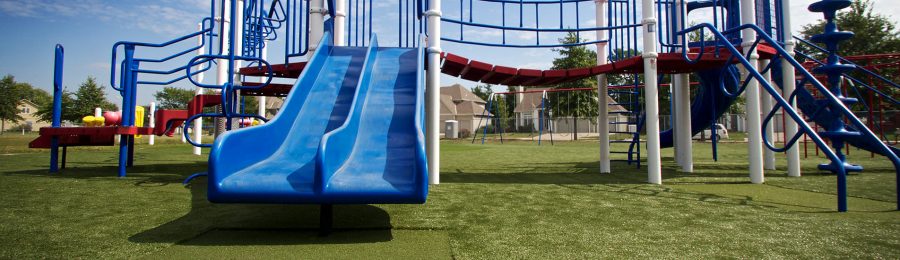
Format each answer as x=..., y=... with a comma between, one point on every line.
x=515, y=200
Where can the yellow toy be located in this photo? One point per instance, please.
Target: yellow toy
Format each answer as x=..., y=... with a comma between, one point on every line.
x=88, y=120
x=138, y=118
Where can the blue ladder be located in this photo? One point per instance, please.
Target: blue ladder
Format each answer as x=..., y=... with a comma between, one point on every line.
x=629, y=99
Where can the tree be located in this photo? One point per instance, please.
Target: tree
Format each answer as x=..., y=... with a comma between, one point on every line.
x=873, y=34
x=90, y=95
x=35, y=95
x=9, y=110
x=45, y=111
x=483, y=91
x=173, y=98
x=577, y=103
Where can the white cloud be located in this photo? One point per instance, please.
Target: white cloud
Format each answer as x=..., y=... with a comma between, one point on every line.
x=524, y=35
x=176, y=17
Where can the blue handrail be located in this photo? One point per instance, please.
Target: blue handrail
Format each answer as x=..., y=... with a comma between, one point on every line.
x=781, y=103
x=205, y=31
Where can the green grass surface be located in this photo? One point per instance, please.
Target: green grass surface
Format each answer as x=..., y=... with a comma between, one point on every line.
x=515, y=200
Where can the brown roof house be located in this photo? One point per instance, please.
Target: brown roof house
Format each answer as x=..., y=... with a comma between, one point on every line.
x=528, y=112
x=460, y=104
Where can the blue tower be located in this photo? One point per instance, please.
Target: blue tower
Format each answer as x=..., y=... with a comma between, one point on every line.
x=835, y=129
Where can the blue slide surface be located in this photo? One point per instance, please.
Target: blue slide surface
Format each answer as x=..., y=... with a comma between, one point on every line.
x=350, y=132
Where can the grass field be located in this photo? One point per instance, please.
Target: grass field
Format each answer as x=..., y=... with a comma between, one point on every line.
x=515, y=200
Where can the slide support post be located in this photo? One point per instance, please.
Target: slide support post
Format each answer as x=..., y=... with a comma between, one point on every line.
x=222, y=67
x=261, y=100
x=788, y=86
x=198, y=124
x=340, y=23
x=651, y=91
x=432, y=92
x=766, y=104
x=602, y=88
x=681, y=89
x=316, y=24
x=754, y=125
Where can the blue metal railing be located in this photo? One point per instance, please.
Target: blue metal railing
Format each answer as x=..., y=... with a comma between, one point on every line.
x=261, y=24
x=781, y=103
x=527, y=24
x=296, y=29
x=624, y=27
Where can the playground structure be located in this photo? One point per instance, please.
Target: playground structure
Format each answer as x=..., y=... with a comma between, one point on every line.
x=309, y=155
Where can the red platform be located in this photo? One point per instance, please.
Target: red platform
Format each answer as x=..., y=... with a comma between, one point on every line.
x=85, y=136
x=458, y=66
x=667, y=63
x=167, y=120
x=271, y=90
x=290, y=70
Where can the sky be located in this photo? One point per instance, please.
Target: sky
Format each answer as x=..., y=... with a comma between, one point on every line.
x=89, y=28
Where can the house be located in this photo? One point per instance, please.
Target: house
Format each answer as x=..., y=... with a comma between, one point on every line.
x=460, y=104
x=528, y=113
x=30, y=120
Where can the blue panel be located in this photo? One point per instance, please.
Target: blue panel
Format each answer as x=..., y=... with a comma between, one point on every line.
x=376, y=153
x=347, y=133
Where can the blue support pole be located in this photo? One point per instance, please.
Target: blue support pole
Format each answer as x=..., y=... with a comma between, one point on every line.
x=128, y=86
x=57, y=106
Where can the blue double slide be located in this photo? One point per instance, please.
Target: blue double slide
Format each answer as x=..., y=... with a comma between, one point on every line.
x=349, y=132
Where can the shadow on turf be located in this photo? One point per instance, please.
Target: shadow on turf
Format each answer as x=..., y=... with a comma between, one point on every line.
x=584, y=177
x=143, y=174
x=210, y=224
x=581, y=173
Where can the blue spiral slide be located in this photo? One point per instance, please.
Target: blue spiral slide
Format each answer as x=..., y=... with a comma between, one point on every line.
x=710, y=103
x=349, y=132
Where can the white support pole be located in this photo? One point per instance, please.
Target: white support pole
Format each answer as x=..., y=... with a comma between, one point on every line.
x=340, y=23
x=316, y=24
x=432, y=93
x=152, y=120
x=222, y=67
x=682, y=95
x=788, y=86
x=602, y=88
x=238, y=63
x=683, y=109
x=261, y=100
x=675, y=96
x=198, y=124
x=651, y=91
x=766, y=104
x=683, y=104
x=754, y=127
